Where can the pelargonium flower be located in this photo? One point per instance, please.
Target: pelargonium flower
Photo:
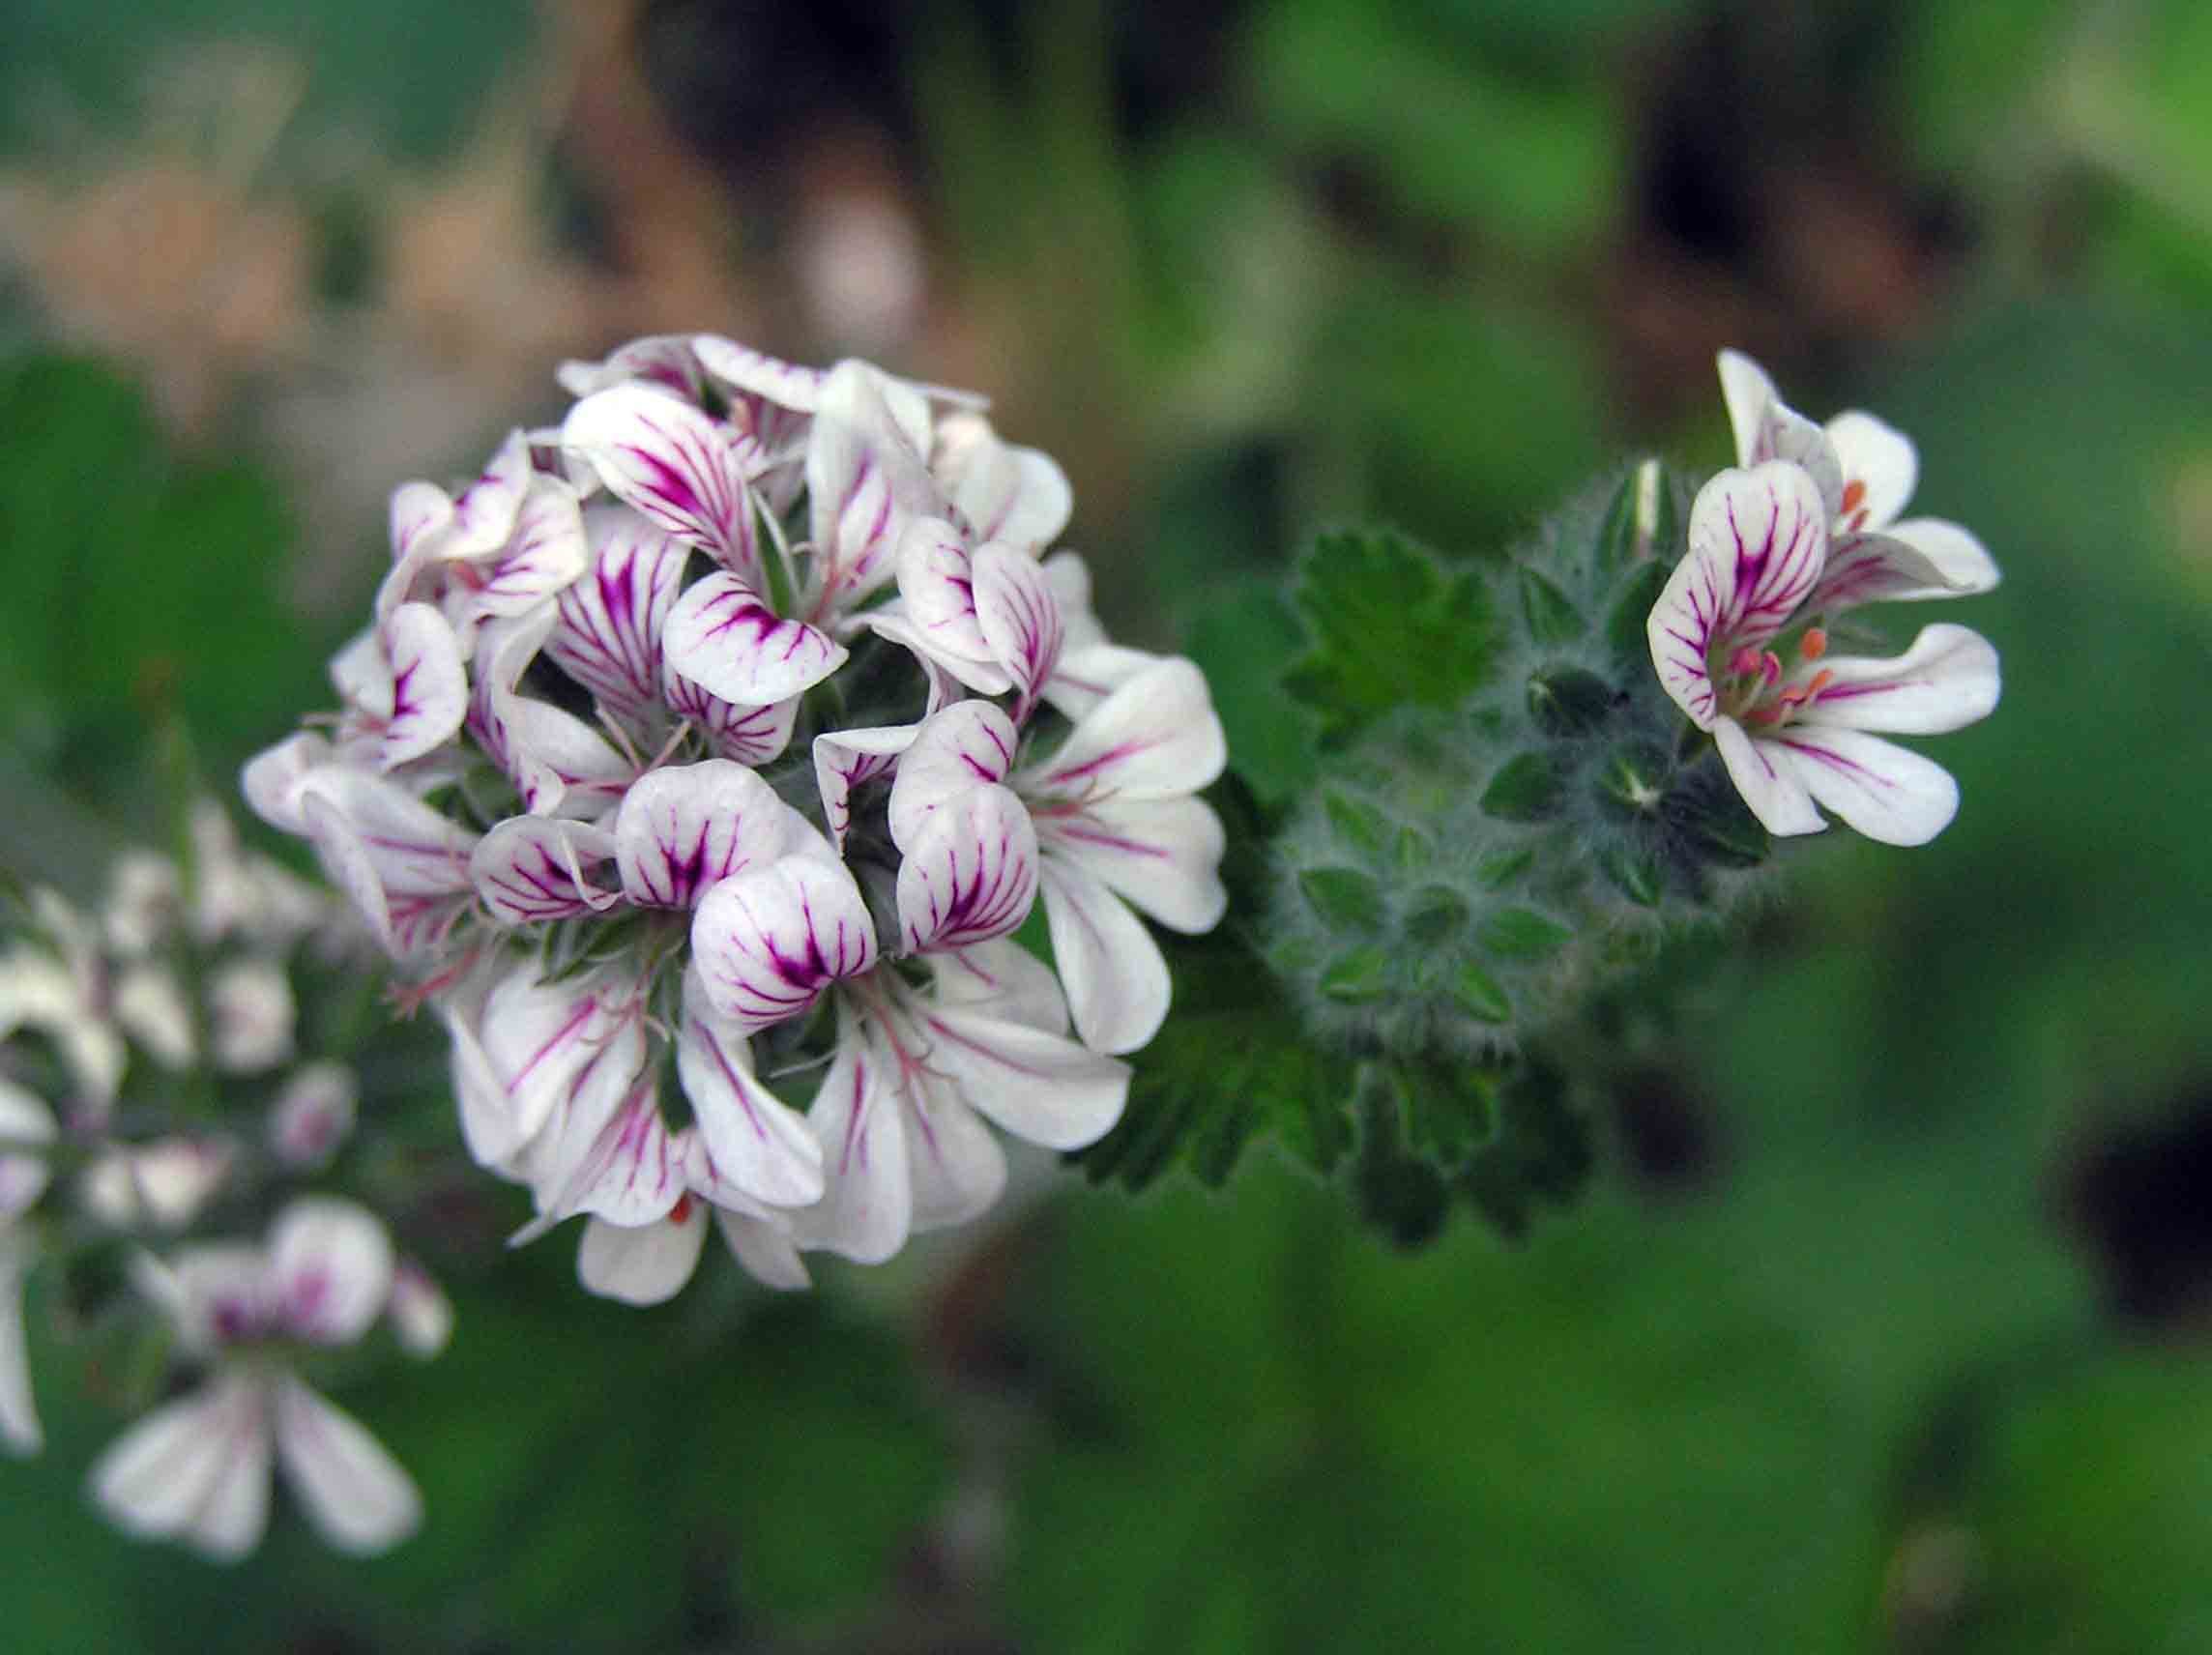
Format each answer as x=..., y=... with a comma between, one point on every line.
x=1800, y=737
x=726, y=634
x=24, y=1118
x=197, y=1469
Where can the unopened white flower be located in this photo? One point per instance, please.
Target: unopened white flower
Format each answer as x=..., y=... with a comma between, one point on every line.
x=1798, y=737
x=143, y=898
x=65, y=997
x=422, y=1315
x=150, y=1005
x=198, y=1470
x=163, y=1184
x=250, y=1014
x=313, y=1115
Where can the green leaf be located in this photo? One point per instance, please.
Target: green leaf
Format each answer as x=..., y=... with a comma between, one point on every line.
x=1639, y=523
x=1244, y=642
x=1390, y=626
x=1540, y=1152
x=1550, y=617
x=1343, y=899
x=1624, y=626
x=1359, y=977
x=1567, y=700
x=1524, y=934
x=1525, y=788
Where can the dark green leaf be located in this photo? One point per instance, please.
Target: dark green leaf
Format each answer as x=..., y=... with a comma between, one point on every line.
x=1551, y=616
x=1343, y=899
x=1526, y=788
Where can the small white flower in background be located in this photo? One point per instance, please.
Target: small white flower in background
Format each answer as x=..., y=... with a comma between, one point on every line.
x=421, y=1315
x=787, y=699
x=313, y=1115
x=198, y=1470
x=162, y=1185
x=1796, y=737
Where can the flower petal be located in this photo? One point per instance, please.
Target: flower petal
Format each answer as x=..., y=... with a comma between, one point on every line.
x=955, y=1169
x=159, y=1475
x=968, y=873
x=666, y=360
x=631, y=1175
x=647, y=1264
x=1874, y=569
x=662, y=456
x=1116, y=979
x=1085, y=677
x=557, y=761
x=756, y=373
x=1879, y=467
x=1767, y=428
x=608, y=636
x=743, y=734
x=330, y=1269
x=683, y=827
x=1019, y=496
x=1946, y=680
x=1153, y=737
x=771, y=940
x=354, y=1491
x=486, y=511
x=723, y=636
x=968, y=745
x=865, y=481
x=545, y=555
x=1003, y=980
x=1162, y=854
x=1960, y=558
x=271, y=779
x=1885, y=791
x=531, y=869
x=1768, y=785
x=527, y=1050
x=1756, y=542
x=1040, y=1087
x=404, y=867
x=755, y=1142
x=429, y=693
x=19, y=1414
x=764, y=1249
x=1019, y=617
x=937, y=590
x=867, y=1205
x=844, y=759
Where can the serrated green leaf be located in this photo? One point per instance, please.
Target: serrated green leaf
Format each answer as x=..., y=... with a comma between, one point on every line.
x=1525, y=788
x=1391, y=626
x=1343, y=899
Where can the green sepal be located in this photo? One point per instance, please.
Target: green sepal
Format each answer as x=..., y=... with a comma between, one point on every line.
x=1568, y=700
x=1551, y=615
x=1343, y=899
x=1624, y=626
x=1437, y=915
x=1639, y=523
x=1524, y=934
x=1359, y=977
x=1476, y=993
x=1525, y=788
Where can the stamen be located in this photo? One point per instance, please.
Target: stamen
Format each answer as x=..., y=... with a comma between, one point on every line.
x=1770, y=668
x=1744, y=662
x=1854, y=497
x=1813, y=644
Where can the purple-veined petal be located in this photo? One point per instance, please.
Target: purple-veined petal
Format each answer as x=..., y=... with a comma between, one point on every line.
x=531, y=869
x=545, y=556
x=314, y=1113
x=1019, y=617
x=666, y=360
x=764, y=1247
x=1756, y=543
x=422, y=522
x=1040, y=1087
x=1947, y=680
x=890, y=622
x=756, y=373
x=557, y=761
x=1163, y=856
x=1086, y=676
x=270, y=781
x=631, y=1175
x=771, y=940
x=723, y=636
x=865, y=481
x=968, y=873
x=968, y=745
x=1116, y=979
x=404, y=867
x=955, y=1169
x=428, y=687
x=1880, y=468
x=608, y=636
x=1001, y=980
x=1767, y=428
x=330, y=1269
x=1882, y=790
x=607, y=1080
x=527, y=1050
x=19, y=1431
x=353, y=1491
x=745, y=735
x=755, y=1142
x=1959, y=557
x=1019, y=496
x=683, y=827
x=670, y=462
x=868, y=1203
x=1069, y=577
x=936, y=577
x=844, y=759
x=486, y=511
x=645, y=1264
x=1873, y=568
x=1767, y=781
x=1155, y=737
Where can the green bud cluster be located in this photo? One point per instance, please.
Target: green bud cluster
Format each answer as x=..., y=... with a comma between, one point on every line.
x=1458, y=875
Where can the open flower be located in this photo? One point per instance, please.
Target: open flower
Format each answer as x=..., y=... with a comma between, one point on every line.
x=197, y=1469
x=1800, y=737
x=23, y=1119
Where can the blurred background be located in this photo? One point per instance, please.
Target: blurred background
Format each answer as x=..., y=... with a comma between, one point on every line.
x=1885, y=1324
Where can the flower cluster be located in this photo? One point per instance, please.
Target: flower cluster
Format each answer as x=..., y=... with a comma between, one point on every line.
x=151, y=1082
x=725, y=734
x=1810, y=527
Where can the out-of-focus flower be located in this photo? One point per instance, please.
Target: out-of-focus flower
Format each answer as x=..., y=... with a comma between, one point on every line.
x=313, y=1115
x=24, y=1119
x=198, y=1470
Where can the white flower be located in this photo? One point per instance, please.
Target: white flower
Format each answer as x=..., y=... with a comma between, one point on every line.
x=164, y=1184
x=197, y=1469
x=420, y=1314
x=1865, y=470
x=23, y=1119
x=250, y=1013
x=314, y=1113
x=1796, y=738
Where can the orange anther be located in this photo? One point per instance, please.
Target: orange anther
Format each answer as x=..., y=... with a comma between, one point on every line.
x=1821, y=681
x=1854, y=495
x=1813, y=644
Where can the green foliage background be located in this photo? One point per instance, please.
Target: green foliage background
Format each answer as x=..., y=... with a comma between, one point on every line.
x=1857, y=1384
